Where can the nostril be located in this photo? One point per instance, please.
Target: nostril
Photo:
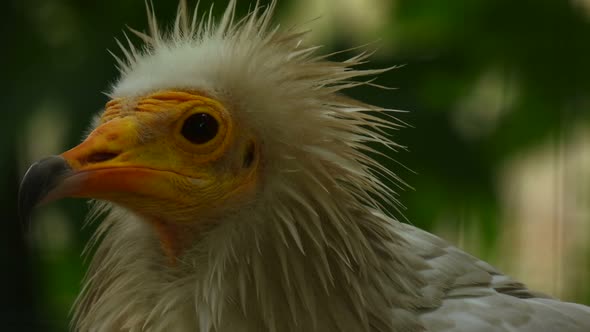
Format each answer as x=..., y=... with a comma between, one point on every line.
x=98, y=157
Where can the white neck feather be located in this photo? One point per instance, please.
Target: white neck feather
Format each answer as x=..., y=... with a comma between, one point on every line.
x=260, y=270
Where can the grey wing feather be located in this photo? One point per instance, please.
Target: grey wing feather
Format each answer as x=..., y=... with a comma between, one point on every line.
x=465, y=294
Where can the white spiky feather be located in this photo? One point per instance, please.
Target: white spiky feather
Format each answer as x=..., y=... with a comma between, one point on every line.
x=313, y=250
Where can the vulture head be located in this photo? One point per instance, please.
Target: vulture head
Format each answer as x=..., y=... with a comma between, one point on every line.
x=238, y=191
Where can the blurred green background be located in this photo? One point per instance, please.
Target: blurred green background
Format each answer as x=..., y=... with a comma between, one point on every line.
x=497, y=94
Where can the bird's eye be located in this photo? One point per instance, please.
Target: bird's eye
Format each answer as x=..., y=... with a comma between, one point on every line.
x=200, y=128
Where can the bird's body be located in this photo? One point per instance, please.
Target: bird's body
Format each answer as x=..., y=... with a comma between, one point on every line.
x=417, y=283
x=270, y=218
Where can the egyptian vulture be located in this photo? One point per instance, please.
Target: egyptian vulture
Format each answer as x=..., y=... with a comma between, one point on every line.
x=240, y=195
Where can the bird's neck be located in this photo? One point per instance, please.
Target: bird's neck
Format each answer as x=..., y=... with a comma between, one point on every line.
x=174, y=238
x=264, y=274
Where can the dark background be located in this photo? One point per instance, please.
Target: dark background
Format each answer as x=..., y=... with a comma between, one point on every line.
x=497, y=92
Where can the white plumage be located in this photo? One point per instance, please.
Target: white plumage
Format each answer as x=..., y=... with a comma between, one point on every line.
x=310, y=249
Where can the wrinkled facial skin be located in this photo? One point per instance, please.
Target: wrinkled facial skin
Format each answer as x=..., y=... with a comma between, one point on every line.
x=172, y=156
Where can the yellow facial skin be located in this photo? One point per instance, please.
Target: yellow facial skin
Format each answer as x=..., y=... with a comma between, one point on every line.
x=138, y=158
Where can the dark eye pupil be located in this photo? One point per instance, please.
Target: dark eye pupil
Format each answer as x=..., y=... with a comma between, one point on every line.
x=200, y=128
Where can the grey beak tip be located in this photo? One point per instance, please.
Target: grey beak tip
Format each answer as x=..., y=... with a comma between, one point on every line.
x=39, y=180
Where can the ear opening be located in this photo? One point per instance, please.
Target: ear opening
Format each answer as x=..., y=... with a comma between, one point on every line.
x=249, y=155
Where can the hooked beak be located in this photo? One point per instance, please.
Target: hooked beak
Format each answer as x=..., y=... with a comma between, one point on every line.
x=41, y=178
x=111, y=164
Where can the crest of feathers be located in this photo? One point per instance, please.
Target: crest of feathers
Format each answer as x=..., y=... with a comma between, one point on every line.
x=311, y=241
